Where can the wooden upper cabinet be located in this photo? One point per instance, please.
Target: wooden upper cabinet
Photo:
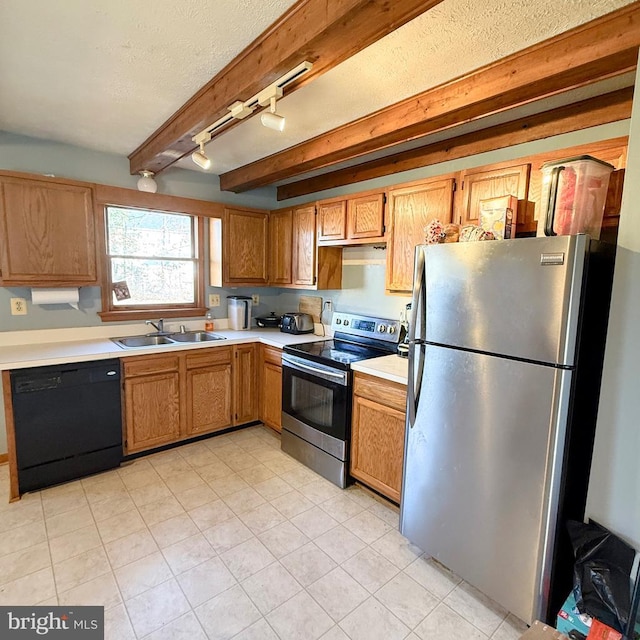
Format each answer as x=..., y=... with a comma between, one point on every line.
x=410, y=209
x=365, y=216
x=354, y=220
x=296, y=262
x=280, y=246
x=47, y=233
x=480, y=184
x=245, y=234
x=332, y=220
x=611, y=215
x=304, y=246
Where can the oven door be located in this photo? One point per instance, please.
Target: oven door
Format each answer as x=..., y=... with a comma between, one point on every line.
x=317, y=395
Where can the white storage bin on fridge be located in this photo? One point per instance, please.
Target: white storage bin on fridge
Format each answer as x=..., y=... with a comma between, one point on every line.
x=574, y=192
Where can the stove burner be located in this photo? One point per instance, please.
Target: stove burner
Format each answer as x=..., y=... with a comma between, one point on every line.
x=344, y=356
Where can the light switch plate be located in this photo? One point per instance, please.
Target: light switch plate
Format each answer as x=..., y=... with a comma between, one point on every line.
x=18, y=307
x=214, y=300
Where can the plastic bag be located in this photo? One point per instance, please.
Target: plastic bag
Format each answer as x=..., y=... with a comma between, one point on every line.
x=602, y=573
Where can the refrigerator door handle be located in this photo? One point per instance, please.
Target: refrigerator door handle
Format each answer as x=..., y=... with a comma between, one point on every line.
x=415, y=381
x=416, y=346
x=419, y=291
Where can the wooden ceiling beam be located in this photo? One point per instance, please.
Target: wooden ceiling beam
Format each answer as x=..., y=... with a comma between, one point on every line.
x=325, y=32
x=603, y=109
x=599, y=49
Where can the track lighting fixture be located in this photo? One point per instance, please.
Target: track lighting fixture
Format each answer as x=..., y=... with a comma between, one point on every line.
x=240, y=110
x=271, y=119
x=200, y=157
x=146, y=182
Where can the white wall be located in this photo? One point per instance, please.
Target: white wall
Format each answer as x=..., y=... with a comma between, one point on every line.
x=614, y=490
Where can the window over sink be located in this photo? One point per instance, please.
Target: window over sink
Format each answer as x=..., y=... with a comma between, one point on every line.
x=154, y=255
x=153, y=261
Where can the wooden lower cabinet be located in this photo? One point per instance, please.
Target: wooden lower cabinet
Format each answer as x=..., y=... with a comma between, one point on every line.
x=271, y=388
x=168, y=398
x=152, y=402
x=208, y=391
x=377, y=434
x=245, y=383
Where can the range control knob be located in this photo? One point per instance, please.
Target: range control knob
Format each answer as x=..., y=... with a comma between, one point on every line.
x=346, y=323
x=382, y=328
x=338, y=320
x=392, y=329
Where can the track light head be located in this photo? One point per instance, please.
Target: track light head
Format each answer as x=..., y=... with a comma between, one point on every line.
x=146, y=182
x=271, y=119
x=201, y=158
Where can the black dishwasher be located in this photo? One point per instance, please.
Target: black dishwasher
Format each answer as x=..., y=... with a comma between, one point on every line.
x=68, y=421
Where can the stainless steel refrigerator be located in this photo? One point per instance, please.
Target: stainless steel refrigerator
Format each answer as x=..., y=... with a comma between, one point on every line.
x=506, y=348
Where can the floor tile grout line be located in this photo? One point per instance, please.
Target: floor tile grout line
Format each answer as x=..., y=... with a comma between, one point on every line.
x=104, y=549
x=315, y=499
x=55, y=586
x=113, y=571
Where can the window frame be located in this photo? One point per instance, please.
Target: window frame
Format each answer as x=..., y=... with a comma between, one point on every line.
x=127, y=198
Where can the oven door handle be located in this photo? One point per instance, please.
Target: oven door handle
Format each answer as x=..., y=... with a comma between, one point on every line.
x=339, y=376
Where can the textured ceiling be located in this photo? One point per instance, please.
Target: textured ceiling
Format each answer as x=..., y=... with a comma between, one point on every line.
x=105, y=74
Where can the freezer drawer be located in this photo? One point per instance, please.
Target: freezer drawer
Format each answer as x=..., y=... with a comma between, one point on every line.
x=518, y=298
x=483, y=455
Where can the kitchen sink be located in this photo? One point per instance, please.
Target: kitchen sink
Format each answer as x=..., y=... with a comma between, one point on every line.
x=142, y=341
x=195, y=336
x=153, y=340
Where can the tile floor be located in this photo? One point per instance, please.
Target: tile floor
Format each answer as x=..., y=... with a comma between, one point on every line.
x=231, y=538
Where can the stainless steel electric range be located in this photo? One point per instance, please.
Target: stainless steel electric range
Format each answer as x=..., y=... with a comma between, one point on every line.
x=317, y=386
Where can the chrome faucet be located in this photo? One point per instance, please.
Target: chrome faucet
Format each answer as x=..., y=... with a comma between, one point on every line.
x=158, y=327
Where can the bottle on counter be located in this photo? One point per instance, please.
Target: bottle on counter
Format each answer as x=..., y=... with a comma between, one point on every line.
x=208, y=321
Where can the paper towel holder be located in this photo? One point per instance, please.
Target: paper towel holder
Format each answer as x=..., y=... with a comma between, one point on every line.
x=66, y=295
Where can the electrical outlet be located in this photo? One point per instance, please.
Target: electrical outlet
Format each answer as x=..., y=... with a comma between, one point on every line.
x=255, y=298
x=328, y=305
x=214, y=300
x=18, y=307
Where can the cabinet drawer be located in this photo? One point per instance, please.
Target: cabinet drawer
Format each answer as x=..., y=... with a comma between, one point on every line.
x=145, y=365
x=272, y=355
x=391, y=394
x=206, y=357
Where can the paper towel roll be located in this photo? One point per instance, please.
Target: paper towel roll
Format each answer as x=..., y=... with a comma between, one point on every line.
x=56, y=296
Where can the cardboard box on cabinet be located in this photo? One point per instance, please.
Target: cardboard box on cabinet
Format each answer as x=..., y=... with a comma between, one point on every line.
x=498, y=215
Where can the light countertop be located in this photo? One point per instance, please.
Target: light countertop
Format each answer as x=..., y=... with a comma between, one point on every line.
x=393, y=368
x=37, y=354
